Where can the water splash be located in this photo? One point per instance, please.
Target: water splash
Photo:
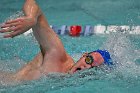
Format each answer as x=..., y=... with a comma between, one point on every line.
x=123, y=55
x=15, y=15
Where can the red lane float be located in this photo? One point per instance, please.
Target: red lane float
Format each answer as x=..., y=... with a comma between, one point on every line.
x=75, y=30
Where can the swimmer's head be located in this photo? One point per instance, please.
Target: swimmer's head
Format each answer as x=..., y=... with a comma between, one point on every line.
x=88, y=60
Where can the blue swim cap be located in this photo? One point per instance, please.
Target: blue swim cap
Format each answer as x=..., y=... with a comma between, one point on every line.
x=106, y=56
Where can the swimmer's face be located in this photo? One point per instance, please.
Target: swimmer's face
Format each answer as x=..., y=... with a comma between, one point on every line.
x=80, y=64
x=88, y=60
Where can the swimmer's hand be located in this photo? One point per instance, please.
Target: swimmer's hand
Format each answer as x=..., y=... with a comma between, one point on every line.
x=17, y=26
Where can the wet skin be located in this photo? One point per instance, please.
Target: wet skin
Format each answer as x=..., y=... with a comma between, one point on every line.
x=52, y=56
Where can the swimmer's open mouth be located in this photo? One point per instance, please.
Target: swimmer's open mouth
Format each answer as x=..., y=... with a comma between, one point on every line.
x=78, y=69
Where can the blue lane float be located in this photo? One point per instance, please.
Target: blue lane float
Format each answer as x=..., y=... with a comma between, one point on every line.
x=88, y=30
x=64, y=30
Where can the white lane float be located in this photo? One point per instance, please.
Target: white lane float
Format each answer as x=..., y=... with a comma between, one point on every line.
x=124, y=29
x=115, y=28
x=135, y=30
x=99, y=29
x=112, y=28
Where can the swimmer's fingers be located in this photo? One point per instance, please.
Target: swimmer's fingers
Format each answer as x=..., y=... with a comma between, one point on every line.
x=13, y=34
x=18, y=26
x=13, y=31
x=10, y=25
x=18, y=20
x=10, y=29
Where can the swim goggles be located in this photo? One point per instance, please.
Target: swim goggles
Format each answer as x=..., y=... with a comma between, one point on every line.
x=89, y=59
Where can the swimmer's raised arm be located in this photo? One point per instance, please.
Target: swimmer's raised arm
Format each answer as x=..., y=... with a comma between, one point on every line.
x=35, y=19
x=53, y=57
x=46, y=37
x=31, y=9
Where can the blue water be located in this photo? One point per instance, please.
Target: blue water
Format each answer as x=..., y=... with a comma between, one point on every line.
x=81, y=11
x=125, y=49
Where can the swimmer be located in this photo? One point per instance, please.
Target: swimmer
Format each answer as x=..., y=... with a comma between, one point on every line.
x=52, y=57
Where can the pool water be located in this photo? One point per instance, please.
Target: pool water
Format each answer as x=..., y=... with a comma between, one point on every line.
x=82, y=12
x=124, y=48
x=125, y=77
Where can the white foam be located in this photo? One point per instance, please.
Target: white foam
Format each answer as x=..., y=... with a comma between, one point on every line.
x=28, y=32
x=123, y=54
